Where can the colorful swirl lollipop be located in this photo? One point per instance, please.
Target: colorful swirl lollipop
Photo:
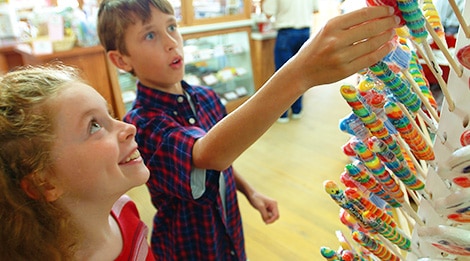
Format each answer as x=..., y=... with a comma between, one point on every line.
x=414, y=18
x=374, y=246
x=418, y=145
x=375, y=166
x=338, y=196
x=399, y=87
x=393, y=234
x=434, y=19
x=369, y=118
x=401, y=169
x=329, y=254
x=358, y=172
x=366, y=205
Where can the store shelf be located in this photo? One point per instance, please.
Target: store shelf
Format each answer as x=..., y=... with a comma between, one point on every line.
x=222, y=62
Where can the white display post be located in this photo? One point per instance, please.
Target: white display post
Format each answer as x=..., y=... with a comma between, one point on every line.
x=441, y=236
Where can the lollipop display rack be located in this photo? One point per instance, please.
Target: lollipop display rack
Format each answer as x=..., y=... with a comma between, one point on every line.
x=406, y=193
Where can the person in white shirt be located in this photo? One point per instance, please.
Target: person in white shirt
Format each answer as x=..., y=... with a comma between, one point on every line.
x=448, y=18
x=292, y=20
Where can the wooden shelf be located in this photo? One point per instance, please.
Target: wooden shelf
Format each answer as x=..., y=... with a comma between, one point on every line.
x=93, y=65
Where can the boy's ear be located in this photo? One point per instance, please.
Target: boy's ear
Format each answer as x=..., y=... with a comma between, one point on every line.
x=119, y=60
x=36, y=191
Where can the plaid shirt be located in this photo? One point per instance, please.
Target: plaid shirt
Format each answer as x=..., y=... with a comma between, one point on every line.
x=185, y=228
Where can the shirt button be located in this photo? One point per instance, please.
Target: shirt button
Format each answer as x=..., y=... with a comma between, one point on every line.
x=232, y=253
x=180, y=99
x=175, y=113
x=192, y=120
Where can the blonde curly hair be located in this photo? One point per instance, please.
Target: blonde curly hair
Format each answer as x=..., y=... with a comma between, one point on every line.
x=31, y=227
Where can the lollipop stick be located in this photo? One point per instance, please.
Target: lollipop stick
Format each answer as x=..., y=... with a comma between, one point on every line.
x=458, y=14
x=413, y=196
x=458, y=69
x=432, y=125
x=418, y=91
x=436, y=73
x=409, y=210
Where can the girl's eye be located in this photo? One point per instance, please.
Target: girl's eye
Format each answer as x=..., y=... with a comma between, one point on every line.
x=150, y=36
x=172, y=28
x=95, y=126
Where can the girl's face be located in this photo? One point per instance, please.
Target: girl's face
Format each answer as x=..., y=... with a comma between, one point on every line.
x=155, y=51
x=95, y=156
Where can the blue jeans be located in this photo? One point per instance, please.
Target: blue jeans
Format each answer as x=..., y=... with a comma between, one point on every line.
x=288, y=43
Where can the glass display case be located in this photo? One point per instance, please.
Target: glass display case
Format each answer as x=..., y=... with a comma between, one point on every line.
x=222, y=62
x=196, y=12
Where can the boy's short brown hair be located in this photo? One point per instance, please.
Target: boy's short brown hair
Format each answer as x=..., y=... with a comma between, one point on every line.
x=114, y=16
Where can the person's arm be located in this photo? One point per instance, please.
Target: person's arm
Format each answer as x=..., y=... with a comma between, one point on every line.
x=345, y=45
x=265, y=205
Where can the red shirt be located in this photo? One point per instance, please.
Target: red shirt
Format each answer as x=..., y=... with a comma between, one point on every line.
x=134, y=231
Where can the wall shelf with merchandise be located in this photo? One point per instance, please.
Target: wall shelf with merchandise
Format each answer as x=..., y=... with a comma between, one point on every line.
x=222, y=62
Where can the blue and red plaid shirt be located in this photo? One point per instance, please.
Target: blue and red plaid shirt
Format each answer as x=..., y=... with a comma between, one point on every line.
x=185, y=228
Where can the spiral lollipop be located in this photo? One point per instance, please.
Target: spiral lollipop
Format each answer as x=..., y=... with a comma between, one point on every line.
x=347, y=255
x=369, y=118
x=399, y=168
x=434, y=19
x=375, y=166
x=358, y=172
x=416, y=70
x=414, y=18
x=338, y=196
x=329, y=254
x=391, y=233
x=399, y=87
x=374, y=246
x=418, y=145
x=418, y=28
x=366, y=205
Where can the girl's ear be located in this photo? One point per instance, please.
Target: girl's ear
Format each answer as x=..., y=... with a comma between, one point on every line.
x=119, y=60
x=38, y=190
x=29, y=187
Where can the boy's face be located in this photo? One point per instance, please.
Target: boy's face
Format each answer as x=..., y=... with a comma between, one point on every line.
x=95, y=156
x=155, y=51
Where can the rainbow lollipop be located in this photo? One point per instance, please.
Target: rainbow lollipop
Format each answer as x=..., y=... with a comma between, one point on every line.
x=329, y=254
x=399, y=168
x=418, y=145
x=434, y=19
x=374, y=246
x=369, y=118
x=399, y=87
x=391, y=233
x=375, y=166
x=338, y=196
x=358, y=172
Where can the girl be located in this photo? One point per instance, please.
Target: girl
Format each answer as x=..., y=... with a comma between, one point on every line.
x=65, y=165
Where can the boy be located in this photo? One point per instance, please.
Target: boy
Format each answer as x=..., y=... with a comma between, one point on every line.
x=187, y=140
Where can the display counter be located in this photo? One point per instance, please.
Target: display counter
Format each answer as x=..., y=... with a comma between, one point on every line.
x=93, y=65
x=9, y=59
x=263, y=56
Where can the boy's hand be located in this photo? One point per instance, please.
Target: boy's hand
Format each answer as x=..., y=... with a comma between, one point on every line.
x=345, y=45
x=266, y=206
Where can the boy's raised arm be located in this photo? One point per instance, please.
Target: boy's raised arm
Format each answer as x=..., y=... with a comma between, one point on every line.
x=345, y=45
